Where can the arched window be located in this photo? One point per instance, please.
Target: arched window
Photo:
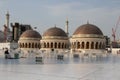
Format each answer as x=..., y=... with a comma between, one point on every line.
x=51, y=44
x=78, y=45
x=55, y=45
x=58, y=45
x=96, y=45
x=62, y=45
x=92, y=45
x=100, y=45
x=25, y=45
x=47, y=45
x=82, y=45
x=74, y=44
x=44, y=45
x=29, y=45
x=87, y=45
x=32, y=45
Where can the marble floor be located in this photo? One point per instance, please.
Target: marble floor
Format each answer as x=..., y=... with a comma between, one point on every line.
x=98, y=68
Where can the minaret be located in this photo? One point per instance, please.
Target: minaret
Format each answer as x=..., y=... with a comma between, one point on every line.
x=7, y=19
x=66, y=27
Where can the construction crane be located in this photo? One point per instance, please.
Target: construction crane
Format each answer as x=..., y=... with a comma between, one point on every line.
x=115, y=29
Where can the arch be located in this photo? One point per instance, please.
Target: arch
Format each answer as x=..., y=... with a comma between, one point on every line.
x=59, y=45
x=51, y=44
x=44, y=45
x=55, y=45
x=96, y=45
x=78, y=45
x=47, y=45
x=100, y=45
x=62, y=45
x=25, y=45
x=87, y=45
x=29, y=45
x=74, y=45
x=32, y=45
x=92, y=45
x=82, y=45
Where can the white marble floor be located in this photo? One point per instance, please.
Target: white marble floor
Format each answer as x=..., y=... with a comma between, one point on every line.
x=106, y=68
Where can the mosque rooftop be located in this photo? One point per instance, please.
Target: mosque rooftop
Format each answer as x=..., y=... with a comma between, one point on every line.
x=68, y=69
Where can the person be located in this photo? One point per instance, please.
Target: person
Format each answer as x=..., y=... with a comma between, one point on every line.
x=7, y=55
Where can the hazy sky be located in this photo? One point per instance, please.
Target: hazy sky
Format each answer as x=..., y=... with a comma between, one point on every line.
x=44, y=14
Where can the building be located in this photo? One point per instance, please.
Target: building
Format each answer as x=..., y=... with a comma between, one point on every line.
x=88, y=38
x=29, y=41
x=54, y=39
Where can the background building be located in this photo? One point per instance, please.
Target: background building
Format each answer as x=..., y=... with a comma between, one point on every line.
x=18, y=29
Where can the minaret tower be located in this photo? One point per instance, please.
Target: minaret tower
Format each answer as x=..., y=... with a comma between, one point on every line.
x=7, y=19
x=66, y=27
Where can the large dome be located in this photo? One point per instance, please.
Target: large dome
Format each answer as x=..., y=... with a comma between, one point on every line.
x=30, y=34
x=88, y=29
x=55, y=31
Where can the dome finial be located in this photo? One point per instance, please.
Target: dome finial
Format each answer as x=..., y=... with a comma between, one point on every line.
x=55, y=25
x=87, y=21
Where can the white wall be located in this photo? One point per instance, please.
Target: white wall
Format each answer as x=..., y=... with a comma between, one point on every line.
x=8, y=45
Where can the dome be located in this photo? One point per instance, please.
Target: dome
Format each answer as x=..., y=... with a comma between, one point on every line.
x=30, y=34
x=55, y=31
x=88, y=29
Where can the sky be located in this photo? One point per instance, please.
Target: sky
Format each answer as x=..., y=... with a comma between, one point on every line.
x=45, y=14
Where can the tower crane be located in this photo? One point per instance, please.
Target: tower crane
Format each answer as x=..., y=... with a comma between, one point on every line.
x=115, y=29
